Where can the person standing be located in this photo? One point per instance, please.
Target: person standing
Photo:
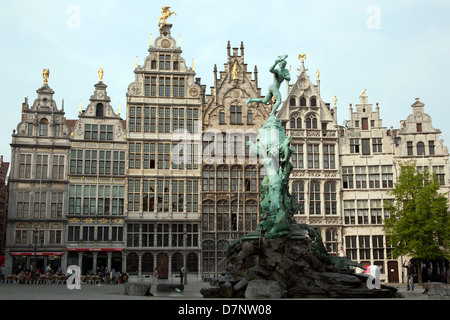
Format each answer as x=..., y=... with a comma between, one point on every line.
x=410, y=273
x=181, y=275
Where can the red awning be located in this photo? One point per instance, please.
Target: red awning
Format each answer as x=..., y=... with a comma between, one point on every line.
x=94, y=249
x=36, y=253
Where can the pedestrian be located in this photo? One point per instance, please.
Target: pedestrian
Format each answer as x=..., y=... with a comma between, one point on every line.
x=181, y=275
x=410, y=274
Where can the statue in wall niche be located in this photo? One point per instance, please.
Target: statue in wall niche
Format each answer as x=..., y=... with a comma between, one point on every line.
x=280, y=74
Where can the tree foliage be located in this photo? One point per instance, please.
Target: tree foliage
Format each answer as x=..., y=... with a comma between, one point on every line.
x=418, y=223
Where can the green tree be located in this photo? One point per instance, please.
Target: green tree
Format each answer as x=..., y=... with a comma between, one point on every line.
x=418, y=223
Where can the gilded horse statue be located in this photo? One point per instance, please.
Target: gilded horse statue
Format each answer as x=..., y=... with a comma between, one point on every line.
x=166, y=13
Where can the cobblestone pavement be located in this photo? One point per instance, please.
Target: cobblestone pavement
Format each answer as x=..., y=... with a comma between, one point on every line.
x=116, y=292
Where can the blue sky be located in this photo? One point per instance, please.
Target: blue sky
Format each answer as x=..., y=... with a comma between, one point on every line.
x=398, y=50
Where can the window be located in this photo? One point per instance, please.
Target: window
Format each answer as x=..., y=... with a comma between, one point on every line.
x=23, y=204
x=351, y=248
x=419, y=127
x=420, y=148
x=314, y=198
x=178, y=119
x=222, y=178
x=133, y=235
x=177, y=196
x=192, y=120
x=377, y=145
x=431, y=147
x=99, y=110
x=378, y=247
x=153, y=87
x=41, y=166
x=164, y=120
x=236, y=179
x=164, y=87
x=365, y=146
x=164, y=62
x=56, y=205
x=251, y=215
x=106, y=131
x=40, y=203
x=361, y=177
x=25, y=166
x=43, y=127
x=313, y=102
x=58, y=167
x=297, y=156
x=298, y=191
x=365, y=124
x=311, y=122
x=364, y=247
x=74, y=233
x=331, y=241
x=409, y=147
x=313, y=156
x=222, y=117
x=376, y=215
x=387, y=176
x=292, y=102
x=191, y=196
x=354, y=145
x=349, y=212
x=208, y=215
x=303, y=102
x=91, y=130
x=292, y=123
x=347, y=177
x=235, y=114
x=374, y=177
x=330, y=198
x=75, y=199
x=328, y=157
x=363, y=211
x=440, y=173
x=250, y=179
x=147, y=86
x=134, y=192
x=249, y=117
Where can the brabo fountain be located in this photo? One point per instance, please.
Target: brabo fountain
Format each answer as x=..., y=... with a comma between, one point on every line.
x=282, y=258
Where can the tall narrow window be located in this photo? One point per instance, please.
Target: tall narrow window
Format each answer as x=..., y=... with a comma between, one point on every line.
x=236, y=114
x=431, y=147
x=43, y=127
x=314, y=198
x=365, y=146
x=99, y=110
x=420, y=148
x=365, y=124
x=409, y=146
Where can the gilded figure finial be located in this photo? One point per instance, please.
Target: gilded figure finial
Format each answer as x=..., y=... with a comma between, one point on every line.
x=318, y=74
x=335, y=101
x=165, y=14
x=363, y=93
x=235, y=70
x=302, y=57
x=46, y=75
x=100, y=74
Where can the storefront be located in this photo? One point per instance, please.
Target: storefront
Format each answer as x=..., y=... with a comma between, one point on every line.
x=36, y=260
x=89, y=260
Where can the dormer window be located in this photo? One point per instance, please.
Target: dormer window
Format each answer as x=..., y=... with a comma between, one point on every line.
x=313, y=102
x=99, y=110
x=43, y=127
x=292, y=102
x=302, y=102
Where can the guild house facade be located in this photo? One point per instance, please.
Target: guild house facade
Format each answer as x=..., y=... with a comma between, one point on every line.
x=174, y=183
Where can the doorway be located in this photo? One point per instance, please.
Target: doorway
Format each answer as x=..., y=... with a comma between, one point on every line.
x=163, y=266
x=393, y=272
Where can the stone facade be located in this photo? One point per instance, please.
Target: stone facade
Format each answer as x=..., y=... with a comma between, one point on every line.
x=173, y=184
x=96, y=172
x=164, y=108
x=230, y=173
x=38, y=184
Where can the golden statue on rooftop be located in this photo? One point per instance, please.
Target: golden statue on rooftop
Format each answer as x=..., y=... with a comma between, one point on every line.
x=100, y=74
x=166, y=13
x=302, y=57
x=235, y=70
x=46, y=75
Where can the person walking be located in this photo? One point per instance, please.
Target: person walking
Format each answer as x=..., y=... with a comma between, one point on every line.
x=410, y=274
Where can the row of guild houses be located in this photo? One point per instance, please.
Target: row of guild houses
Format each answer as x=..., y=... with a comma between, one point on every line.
x=175, y=183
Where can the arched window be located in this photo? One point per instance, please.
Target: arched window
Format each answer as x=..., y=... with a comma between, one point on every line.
x=208, y=215
x=313, y=102
x=299, y=123
x=177, y=262
x=292, y=123
x=192, y=262
x=223, y=215
x=209, y=256
x=303, y=102
x=236, y=179
x=250, y=179
x=147, y=262
x=251, y=215
x=236, y=216
x=222, y=177
x=43, y=127
x=420, y=148
x=298, y=191
x=314, y=198
x=311, y=122
x=99, y=110
x=132, y=262
x=292, y=102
